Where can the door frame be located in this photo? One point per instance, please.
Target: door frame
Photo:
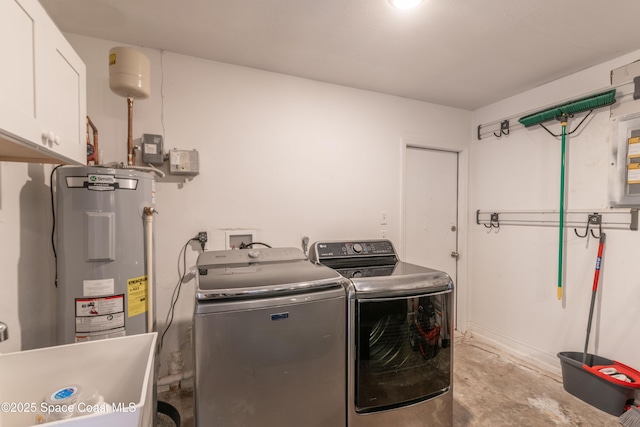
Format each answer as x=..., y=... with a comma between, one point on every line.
x=461, y=288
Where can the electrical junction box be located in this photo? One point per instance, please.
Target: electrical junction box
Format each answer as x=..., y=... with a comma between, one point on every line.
x=183, y=162
x=152, y=149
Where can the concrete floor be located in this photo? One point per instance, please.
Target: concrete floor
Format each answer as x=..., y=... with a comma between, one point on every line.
x=491, y=389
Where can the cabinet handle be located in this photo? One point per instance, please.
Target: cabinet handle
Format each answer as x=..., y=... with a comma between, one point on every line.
x=51, y=137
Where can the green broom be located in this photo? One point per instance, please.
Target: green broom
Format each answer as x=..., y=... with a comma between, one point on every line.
x=563, y=112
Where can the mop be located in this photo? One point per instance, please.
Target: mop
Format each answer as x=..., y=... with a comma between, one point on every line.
x=631, y=418
x=563, y=112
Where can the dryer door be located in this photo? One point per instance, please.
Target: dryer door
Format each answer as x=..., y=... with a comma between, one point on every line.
x=403, y=351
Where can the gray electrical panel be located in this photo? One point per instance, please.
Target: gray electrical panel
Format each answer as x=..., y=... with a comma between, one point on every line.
x=152, y=149
x=624, y=165
x=183, y=162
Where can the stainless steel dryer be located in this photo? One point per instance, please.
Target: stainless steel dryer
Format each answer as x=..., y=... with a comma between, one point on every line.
x=269, y=340
x=400, y=353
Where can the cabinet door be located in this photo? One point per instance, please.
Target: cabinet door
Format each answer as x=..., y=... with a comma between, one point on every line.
x=42, y=88
x=18, y=115
x=61, y=94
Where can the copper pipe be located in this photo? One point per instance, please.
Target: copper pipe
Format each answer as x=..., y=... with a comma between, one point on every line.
x=148, y=210
x=131, y=156
x=95, y=156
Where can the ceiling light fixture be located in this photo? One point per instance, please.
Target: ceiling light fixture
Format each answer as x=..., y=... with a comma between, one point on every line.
x=404, y=4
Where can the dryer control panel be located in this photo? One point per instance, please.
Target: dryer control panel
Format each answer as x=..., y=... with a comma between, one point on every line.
x=350, y=249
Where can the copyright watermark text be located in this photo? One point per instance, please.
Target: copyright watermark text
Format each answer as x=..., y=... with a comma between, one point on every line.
x=79, y=408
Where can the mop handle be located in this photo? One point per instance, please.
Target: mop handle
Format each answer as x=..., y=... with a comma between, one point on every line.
x=594, y=289
x=596, y=276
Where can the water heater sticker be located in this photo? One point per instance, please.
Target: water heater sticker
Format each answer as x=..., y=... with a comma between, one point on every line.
x=92, y=307
x=93, y=288
x=98, y=318
x=137, y=295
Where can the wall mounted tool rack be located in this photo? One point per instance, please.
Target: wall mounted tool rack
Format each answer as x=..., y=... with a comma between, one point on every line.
x=504, y=126
x=580, y=220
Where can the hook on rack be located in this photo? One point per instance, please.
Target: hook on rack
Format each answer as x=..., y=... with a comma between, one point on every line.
x=504, y=129
x=494, y=221
x=592, y=220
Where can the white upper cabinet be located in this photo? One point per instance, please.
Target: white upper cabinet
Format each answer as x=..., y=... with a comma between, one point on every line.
x=42, y=89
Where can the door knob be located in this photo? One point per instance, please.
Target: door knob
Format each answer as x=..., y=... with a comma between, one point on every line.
x=455, y=255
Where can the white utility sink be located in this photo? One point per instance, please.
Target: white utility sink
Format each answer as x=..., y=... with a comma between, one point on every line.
x=121, y=369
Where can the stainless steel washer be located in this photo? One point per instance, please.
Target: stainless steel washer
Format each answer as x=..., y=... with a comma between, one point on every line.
x=400, y=354
x=269, y=340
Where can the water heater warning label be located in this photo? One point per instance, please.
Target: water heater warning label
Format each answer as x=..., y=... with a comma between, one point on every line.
x=137, y=293
x=98, y=318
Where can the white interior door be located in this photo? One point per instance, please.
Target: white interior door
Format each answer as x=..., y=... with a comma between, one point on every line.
x=431, y=209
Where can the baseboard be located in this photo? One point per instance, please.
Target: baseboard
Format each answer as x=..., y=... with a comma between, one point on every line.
x=531, y=355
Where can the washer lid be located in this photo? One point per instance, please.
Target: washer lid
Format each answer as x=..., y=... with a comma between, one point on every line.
x=255, y=273
x=400, y=279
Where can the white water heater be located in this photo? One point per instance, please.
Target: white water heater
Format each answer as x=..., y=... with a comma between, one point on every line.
x=101, y=252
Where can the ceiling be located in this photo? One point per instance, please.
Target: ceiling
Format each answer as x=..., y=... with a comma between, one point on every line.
x=459, y=53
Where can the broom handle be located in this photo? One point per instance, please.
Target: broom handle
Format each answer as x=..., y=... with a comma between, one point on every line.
x=596, y=276
x=594, y=289
x=561, y=229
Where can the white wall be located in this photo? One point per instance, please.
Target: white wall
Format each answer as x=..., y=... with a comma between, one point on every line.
x=282, y=155
x=513, y=273
x=27, y=290
x=288, y=156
